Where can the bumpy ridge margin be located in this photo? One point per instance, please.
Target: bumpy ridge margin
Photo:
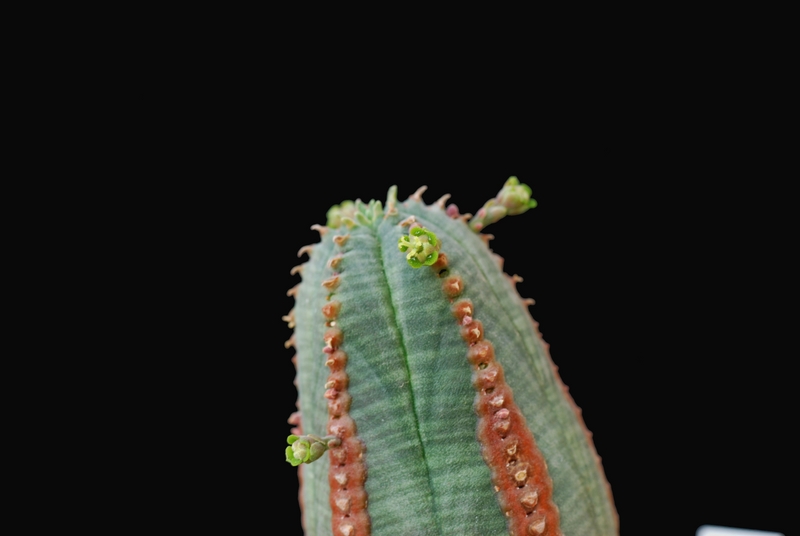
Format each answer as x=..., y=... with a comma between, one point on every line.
x=347, y=473
x=295, y=419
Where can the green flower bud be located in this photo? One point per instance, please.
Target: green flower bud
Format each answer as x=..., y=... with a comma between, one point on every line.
x=296, y=453
x=316, y=451
x=307, y=448
x=513, y=199
x=338, y=213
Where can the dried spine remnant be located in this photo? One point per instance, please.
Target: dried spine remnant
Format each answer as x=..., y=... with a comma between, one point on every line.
x=321, y=229
x=408, y=221
x=293, y=291
x=417, y=196
x=305, y=249
x=347, y=472
x=341, y=240
x=332, y=282
x=295, y=419
x=289, y=319
x=334, y=262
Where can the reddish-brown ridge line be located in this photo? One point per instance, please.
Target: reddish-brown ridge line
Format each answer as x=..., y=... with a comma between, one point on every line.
x=518, y=469
x=347, y=472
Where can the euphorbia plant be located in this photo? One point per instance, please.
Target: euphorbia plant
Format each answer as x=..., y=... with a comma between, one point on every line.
x=419, y=360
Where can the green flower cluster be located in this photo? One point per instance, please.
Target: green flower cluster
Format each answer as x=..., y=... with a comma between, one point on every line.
x=422, y=247
x=306, y=448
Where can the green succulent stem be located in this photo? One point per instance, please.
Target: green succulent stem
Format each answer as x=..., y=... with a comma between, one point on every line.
x=419, y=402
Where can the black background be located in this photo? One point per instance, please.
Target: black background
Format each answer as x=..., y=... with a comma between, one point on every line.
x=657, y=287
x=661, y=256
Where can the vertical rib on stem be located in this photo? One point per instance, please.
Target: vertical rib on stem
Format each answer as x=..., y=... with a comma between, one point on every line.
x=347, y=473
x=519, y=472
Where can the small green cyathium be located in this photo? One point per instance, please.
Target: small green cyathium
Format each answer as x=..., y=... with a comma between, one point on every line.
x=307, y=448
x=443, y=411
